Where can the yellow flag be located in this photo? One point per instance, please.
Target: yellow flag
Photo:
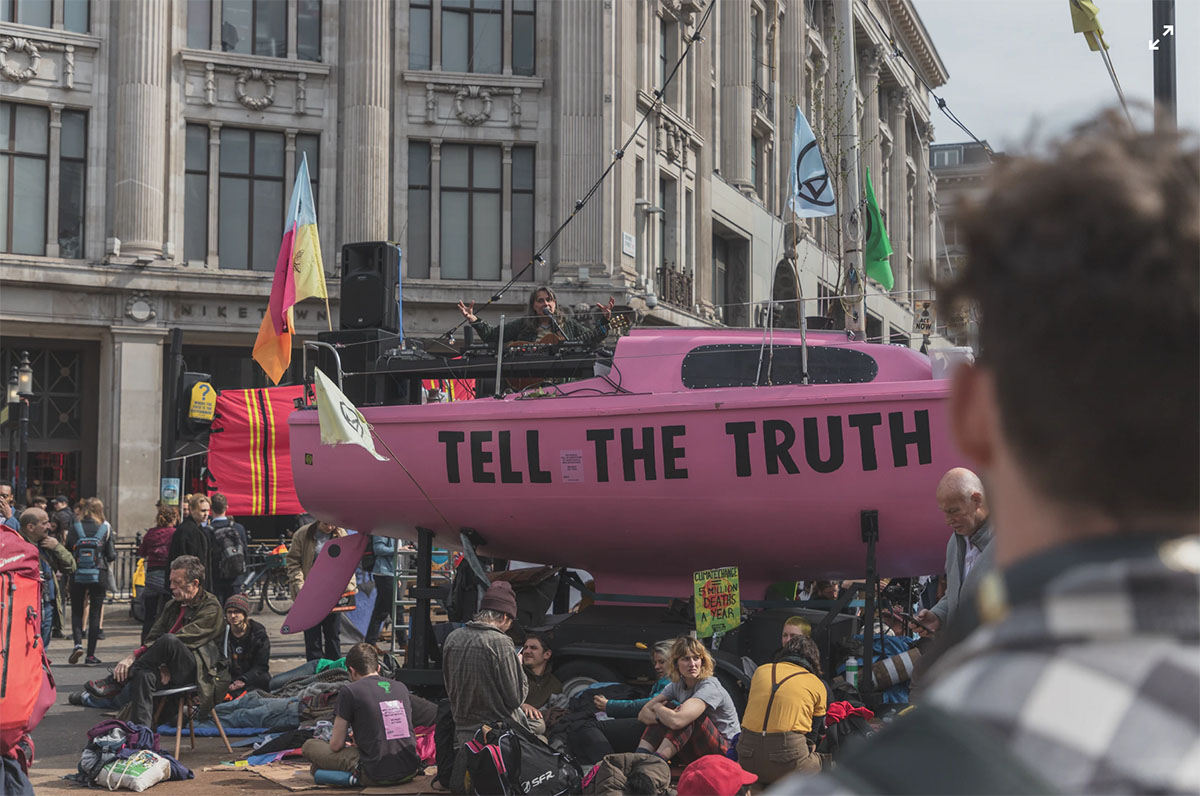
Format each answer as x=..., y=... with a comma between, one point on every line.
x=1085, y=16
x=341, y=422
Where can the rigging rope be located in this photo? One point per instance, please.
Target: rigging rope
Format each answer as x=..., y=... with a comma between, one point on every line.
x=616, y=156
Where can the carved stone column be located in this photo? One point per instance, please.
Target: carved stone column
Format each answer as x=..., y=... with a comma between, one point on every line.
x=140, y=141
x=924, y=248
x=898, y=216
x=736, y=76
x=366, y=92
x=868, y=63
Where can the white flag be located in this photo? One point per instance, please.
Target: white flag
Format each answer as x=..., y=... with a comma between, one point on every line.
x=341, y=422
x=811, y=193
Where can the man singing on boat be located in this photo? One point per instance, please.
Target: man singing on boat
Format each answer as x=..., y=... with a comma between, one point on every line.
x=542, y=323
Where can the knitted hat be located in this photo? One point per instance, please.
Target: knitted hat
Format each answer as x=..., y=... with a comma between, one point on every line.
x=238, y=602
x=500, y=598
x=713, y=775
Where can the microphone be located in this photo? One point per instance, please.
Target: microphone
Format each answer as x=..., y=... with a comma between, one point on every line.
x=546, y=311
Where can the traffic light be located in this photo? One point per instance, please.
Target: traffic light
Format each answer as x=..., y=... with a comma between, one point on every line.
x=197, y=401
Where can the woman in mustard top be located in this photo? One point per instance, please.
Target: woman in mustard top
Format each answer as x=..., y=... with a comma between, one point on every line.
x=784, y=714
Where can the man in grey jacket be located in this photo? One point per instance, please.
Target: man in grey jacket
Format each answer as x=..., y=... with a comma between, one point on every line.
x=484, y=677
x=968, y=557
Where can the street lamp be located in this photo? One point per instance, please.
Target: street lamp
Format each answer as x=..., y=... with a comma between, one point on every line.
x=24, y=393
x=14, y=398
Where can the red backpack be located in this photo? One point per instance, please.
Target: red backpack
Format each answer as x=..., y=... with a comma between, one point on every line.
x=26, y=685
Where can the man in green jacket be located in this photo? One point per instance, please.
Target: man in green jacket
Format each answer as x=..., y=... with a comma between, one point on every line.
x=52, y=557
x=183, y=648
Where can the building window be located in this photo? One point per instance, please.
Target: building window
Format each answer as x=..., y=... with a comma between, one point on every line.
x=26, y=164
x=420, y=21
x=40, y=13
x=470, y=212
x=522, y=211
x=72, y=184
x=472, y=32
x=524, y=44
x=668, y=54
x=257, y=27
x=24, y=148
x=755, y=163
x=720, y=260
x=419, y=193
x=195, y=192
x=251, y=199
x=308, y=30
x=950, y=156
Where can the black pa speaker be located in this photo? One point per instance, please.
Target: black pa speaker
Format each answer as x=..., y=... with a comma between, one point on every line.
x=359, y=351
x=370, y=286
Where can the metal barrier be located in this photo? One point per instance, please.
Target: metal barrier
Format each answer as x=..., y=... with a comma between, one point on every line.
x=123, y=568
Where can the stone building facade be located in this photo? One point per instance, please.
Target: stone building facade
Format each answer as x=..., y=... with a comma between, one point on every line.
x=147, y=149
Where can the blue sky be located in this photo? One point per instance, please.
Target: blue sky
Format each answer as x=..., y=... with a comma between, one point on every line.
x=1017, y=69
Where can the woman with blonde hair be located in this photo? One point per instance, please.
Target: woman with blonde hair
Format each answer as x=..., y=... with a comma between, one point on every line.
x=91, y=542
x=694, y=715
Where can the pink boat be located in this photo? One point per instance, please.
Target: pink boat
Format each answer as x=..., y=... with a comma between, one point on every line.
x=670, y=462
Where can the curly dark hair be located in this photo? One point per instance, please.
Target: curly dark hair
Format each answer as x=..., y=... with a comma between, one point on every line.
x=804, y=648
x=1082, y=265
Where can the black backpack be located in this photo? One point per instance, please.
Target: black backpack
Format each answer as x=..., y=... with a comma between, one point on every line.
x=229, y=554
x=508, y=759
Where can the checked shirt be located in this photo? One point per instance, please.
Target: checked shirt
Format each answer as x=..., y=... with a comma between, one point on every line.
x=1086, y=664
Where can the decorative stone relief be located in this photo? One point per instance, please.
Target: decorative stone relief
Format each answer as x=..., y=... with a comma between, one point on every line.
x=673, y=140
x=140, y=307
x=473, y=105
x=69, y=66
x=302, y=93
x=210, y=84
x=27, y=46
x=481, y=103
x=244, y=76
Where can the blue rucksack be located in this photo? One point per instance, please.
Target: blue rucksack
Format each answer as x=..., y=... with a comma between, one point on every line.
x=89, y=553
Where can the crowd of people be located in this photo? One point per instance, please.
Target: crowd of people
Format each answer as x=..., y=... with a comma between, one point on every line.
x=1063, y=653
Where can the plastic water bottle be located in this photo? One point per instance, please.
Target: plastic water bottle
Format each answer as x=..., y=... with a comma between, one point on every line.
x=852, y=671
x=345, y=779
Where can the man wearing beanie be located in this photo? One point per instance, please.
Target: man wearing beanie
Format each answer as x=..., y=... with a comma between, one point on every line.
x=247, y=646
x=484, y=677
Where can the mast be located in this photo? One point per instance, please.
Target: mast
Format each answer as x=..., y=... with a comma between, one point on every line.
x=848, y=154
x=1164, y=62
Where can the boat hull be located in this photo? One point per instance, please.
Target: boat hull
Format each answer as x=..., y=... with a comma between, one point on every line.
x=633, y=488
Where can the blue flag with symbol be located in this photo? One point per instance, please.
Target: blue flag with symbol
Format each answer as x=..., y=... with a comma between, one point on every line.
x=811, y=190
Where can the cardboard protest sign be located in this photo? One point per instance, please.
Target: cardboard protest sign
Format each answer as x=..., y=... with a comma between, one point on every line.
x=718, y=601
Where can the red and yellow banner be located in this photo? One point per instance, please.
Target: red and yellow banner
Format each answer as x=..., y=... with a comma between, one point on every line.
x=248, y=453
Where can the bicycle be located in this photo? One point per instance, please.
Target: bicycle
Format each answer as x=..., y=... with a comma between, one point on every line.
x=266, y=578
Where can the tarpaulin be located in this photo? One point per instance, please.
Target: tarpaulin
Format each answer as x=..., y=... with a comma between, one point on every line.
x=248, y=454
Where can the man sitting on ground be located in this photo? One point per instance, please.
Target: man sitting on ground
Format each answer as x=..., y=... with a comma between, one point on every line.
x=535, y=658
x=248, y=648
x=379, y=713
x=183, y=648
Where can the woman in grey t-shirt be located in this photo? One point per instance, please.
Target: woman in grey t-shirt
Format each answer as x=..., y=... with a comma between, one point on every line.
x=694, y=715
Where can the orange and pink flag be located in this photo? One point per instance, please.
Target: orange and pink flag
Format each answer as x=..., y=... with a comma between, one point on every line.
x=299, y=274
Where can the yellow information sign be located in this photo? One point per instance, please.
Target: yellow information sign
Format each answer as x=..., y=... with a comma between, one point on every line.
x=718, y=601
x=203, y=404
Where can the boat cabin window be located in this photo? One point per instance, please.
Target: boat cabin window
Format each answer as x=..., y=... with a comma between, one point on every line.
x=737, y=365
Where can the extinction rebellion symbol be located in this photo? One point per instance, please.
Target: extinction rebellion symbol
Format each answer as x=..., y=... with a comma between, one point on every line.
x=815, y=187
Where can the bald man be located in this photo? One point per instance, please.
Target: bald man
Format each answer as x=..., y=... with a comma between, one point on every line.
x=968, y=557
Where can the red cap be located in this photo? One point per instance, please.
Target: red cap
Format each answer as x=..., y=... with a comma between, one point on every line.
x=713, y=775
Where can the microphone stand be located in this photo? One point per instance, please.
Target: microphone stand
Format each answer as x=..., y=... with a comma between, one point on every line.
x=561, y=332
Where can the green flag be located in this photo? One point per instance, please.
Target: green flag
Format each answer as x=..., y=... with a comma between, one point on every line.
x=878, y=247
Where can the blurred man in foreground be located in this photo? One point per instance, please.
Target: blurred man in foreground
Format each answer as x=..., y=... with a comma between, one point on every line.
x=1080, y=666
